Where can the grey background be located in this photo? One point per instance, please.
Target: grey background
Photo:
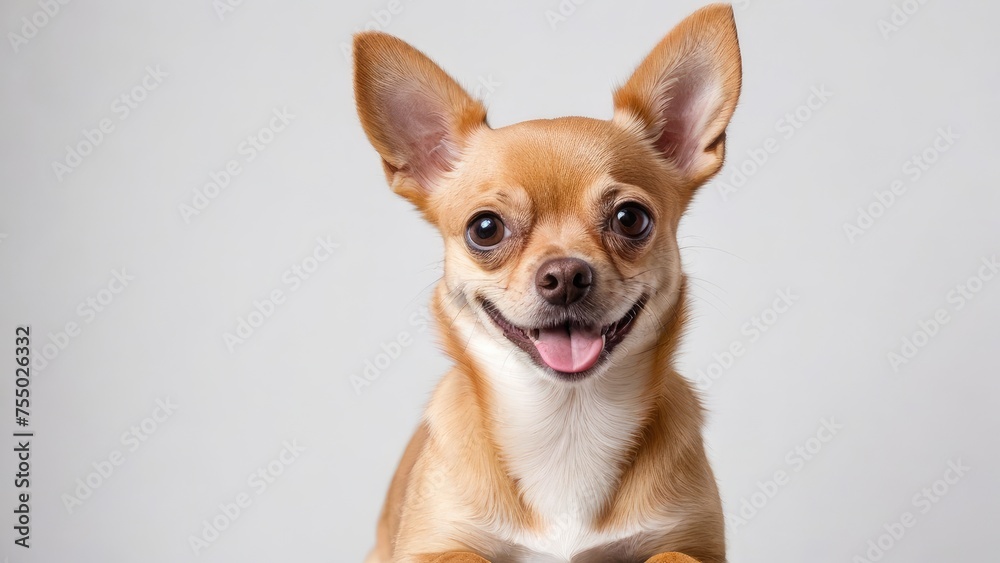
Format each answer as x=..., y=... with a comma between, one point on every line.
x=162, y=336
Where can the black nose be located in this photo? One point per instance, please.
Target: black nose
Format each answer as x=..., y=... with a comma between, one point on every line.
x=562, y=281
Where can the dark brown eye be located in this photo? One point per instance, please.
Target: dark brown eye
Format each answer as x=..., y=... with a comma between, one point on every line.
x=486, y=231
x=631, y=221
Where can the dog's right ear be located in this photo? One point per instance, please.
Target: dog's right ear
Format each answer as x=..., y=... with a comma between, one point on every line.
x=685, y=91
x=415, y=115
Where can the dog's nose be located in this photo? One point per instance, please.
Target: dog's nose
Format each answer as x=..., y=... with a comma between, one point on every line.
x=562, y=281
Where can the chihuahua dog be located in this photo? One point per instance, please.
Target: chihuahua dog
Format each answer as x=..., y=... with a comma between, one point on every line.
x=563, y=432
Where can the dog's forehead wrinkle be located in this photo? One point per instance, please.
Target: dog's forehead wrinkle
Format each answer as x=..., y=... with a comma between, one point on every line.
x=568, y=166
x=546, y=151
x=558, y=160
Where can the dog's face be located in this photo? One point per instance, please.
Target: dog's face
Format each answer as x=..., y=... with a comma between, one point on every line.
x=560, y=235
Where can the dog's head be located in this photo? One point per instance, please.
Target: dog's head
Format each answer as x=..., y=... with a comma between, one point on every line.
x=560, y=235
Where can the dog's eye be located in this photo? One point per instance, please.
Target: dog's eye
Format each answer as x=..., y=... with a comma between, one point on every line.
x=631, y=221
x=486, y=231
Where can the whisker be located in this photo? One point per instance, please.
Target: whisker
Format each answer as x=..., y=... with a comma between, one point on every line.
x=700, y=247
x=421, y=292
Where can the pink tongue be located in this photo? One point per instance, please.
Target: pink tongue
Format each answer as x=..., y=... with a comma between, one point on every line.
x=570, y=351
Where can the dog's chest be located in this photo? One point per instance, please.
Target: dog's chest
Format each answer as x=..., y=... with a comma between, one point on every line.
x=565, y=449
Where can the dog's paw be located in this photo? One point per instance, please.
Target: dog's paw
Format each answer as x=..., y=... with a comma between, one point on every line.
x=457, y=557
x=671, y=558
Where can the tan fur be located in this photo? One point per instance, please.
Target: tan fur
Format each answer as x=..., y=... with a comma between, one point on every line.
x=459, y=490
x=671, y=558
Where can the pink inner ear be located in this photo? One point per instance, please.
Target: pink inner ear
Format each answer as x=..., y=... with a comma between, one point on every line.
x=688, y=100
x=423, y=136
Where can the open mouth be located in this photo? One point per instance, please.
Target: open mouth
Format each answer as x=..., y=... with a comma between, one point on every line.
x=571, y=348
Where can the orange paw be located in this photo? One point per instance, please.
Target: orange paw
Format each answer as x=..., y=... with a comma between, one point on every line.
x=671, y=558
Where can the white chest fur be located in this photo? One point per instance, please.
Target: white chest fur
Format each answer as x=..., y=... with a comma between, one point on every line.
x=563, y=443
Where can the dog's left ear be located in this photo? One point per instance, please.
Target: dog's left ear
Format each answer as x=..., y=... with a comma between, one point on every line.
x=684, y=93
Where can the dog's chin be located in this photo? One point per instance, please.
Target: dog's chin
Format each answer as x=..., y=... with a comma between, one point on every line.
x=568, y=350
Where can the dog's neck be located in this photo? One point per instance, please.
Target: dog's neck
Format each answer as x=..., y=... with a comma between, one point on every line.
x=566, y=445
